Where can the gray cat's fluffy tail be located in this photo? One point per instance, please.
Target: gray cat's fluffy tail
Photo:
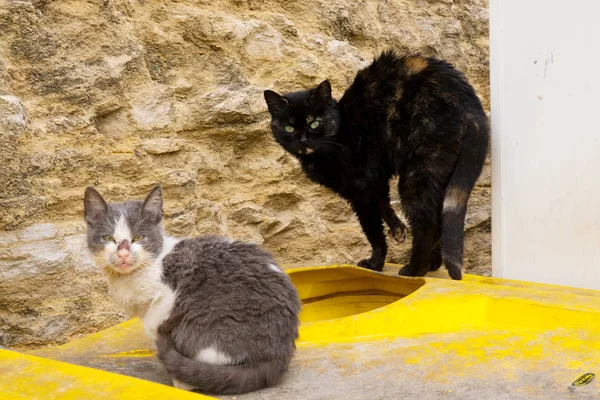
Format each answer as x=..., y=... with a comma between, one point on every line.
x=218, y=379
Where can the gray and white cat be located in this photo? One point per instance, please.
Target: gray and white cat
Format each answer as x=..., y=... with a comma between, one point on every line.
x=223, y=315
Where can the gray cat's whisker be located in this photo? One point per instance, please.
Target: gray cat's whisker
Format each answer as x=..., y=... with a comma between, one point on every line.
x=135, y=228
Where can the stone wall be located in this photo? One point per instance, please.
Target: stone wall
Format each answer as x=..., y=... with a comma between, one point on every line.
x=122, y=94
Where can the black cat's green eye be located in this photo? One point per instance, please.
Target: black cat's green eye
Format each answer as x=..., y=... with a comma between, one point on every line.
x=314, y=124
x=138, y=238
x=289, y=129
x=108, y=238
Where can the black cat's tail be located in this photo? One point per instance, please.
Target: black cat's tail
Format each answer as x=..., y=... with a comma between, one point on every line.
x=217, y=379
x=467, y=170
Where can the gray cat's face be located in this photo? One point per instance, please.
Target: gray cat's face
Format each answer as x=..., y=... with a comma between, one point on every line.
x=127, y=236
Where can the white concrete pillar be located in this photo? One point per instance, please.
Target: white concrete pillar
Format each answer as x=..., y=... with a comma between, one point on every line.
x=545, y=103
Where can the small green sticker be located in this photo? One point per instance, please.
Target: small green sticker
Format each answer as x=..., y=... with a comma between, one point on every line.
x=584, y=379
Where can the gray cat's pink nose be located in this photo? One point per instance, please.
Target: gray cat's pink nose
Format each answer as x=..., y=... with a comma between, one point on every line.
x=123, y=253
x=123, y=249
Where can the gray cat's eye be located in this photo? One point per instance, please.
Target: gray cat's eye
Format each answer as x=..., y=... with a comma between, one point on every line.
x=314, y=124
x=138, y=238
x=109, y=238
x=289, y=129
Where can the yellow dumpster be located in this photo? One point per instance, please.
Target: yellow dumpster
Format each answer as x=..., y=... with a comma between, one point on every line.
x=367, y=335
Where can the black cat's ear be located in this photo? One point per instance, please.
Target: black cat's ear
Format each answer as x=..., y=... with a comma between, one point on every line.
x=94, y=206
x=323, y=92
x=153, y=205
x=276, y=102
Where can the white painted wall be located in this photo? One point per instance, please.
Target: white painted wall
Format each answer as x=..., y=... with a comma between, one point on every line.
x=545, y=100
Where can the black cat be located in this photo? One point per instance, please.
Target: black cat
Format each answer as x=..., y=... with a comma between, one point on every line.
x=410, y=116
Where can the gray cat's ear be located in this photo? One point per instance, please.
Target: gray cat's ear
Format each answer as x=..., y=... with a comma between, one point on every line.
x=94, y=206
x=276, y=102
x=153, y=205
x=323, y=92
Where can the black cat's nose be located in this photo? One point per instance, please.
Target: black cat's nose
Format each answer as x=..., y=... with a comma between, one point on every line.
x=303, y=139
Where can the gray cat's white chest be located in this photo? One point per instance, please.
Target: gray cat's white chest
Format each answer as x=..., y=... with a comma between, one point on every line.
x=134, y=292
x=144, y=295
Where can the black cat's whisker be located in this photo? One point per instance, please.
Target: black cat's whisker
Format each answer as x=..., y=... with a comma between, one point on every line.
x=336, y=145
x=333, y=149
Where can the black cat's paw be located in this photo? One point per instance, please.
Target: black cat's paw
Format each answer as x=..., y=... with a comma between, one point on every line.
x=435, y=265
x=408, y=271
x=405, y=271
x=399, y=233
x=455, y=273
x=369, y=263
